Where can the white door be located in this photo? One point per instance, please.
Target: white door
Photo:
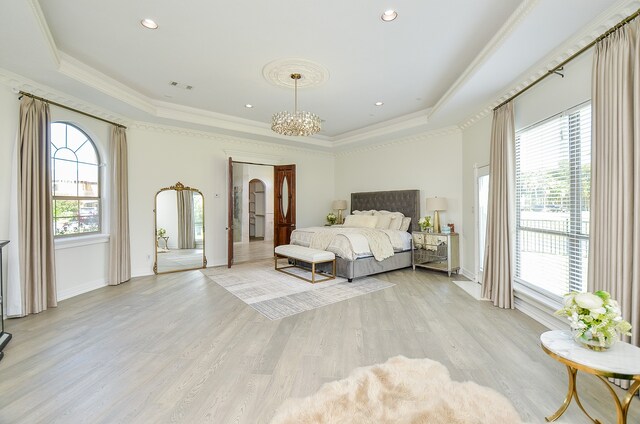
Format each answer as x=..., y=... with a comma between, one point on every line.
x=482, y=203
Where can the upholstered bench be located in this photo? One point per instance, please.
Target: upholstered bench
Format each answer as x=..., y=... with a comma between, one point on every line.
x=304, y=254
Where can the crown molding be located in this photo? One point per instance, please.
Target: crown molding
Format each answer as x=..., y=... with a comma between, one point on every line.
x=404, y=122
x=440, y=132
x=93, y=78
x=601, y=24
x=168, y=129
x=44, y=27
x=498, y=39
x=19, y=83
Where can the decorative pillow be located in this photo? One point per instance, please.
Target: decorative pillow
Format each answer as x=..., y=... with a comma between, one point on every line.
x=361, y=221
x=396, y=221
x=406, y=223
x=363, y=212
x=383, y=221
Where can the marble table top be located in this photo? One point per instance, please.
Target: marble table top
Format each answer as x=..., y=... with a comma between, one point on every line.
x=622, y=358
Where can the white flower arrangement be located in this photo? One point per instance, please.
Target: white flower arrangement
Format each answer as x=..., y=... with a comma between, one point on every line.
x=424, y=223
x=331, y=218
x=594, y=317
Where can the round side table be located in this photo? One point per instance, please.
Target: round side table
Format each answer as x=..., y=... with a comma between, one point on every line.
x=622, y=360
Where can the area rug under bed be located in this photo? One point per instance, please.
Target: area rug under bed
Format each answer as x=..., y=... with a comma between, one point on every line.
x=276, y=295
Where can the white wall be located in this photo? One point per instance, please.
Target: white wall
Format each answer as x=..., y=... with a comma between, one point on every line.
x=8, y=126
x=550, y=97
x=159, y=157
x=200, y=160
x=431, y=163
x=79, y=268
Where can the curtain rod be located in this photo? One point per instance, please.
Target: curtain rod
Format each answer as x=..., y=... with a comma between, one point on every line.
x=573, y=56
x=23, y=93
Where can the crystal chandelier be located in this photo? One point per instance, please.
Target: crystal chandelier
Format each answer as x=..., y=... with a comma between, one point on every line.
x=296, y=123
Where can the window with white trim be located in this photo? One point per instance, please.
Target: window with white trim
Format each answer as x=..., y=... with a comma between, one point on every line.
x=75, y=175
x=553, y=186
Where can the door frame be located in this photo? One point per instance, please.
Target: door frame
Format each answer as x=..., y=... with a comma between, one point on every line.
x=242, y=158
x=478, y=171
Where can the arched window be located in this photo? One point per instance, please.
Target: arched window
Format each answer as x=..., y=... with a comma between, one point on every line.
x=76, y=181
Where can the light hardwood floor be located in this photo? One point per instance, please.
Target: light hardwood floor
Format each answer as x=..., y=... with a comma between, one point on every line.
x=180, y=348
x=252, y=251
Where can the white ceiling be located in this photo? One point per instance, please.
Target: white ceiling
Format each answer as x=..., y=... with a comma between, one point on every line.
x=438, y=64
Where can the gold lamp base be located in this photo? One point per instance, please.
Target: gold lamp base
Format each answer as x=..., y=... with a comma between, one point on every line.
x=436, y=221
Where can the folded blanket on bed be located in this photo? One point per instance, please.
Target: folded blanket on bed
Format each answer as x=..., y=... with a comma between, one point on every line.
x=379, y=242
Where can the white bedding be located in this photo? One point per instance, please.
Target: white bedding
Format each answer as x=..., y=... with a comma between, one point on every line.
x=350, y=243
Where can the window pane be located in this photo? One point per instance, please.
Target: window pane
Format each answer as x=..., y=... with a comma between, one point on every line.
x=58, y=136
x=87, y=154
x=75, y=138
x=64, y=178
x=553, y=184
x=89, y=215
x=75, y=175
x=88, y=180
x=65, y=213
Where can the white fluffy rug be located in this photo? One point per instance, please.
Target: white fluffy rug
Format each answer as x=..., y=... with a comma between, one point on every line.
x=400, y=391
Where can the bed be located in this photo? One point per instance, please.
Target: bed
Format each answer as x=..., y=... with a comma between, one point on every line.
x=347, y=266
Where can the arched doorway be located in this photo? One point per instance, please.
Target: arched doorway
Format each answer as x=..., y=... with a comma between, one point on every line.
x=257, y=210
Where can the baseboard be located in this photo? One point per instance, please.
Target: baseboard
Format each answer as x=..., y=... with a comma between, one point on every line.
x=80, y=289
x=470, y=275
x=141, y=272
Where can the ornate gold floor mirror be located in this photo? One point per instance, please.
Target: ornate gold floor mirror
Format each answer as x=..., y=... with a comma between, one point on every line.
x=179, y=229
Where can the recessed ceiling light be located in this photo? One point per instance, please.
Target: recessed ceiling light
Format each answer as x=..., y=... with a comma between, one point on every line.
x=248, y=106
x=379, y=103
x=389, y=15
x=149, y=23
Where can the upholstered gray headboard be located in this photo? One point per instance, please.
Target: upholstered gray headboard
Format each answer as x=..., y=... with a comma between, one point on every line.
x=405, y=201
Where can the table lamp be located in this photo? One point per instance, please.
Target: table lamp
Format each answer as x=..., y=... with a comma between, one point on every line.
x=436, y=204
x=339, y=205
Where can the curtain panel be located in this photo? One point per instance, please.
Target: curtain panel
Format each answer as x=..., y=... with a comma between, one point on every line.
x=497, y=279
x=614, y=245
x=119, y=248
x=186, y=225
x=31, y=286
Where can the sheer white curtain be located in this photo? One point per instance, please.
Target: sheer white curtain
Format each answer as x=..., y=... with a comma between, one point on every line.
x=614, y=245
x=497, y=279
x=186, y=225
x=119, y=251
x=31, y=283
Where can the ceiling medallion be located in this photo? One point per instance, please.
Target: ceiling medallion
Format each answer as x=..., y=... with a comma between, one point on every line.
x=278, y=72
x=298, y=123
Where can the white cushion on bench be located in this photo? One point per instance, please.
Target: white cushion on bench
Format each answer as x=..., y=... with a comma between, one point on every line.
x=305, y=254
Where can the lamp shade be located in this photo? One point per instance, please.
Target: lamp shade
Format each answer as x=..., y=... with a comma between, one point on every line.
x=436, y=203
x=339, y=205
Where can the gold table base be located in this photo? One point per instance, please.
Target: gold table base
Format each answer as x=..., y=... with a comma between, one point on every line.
x=622, y=408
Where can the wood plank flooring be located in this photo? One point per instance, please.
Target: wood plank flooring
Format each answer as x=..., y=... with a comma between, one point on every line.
x=179, y=348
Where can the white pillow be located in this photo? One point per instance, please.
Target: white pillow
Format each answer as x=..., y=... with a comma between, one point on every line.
x=396, y=221
x=361, y=221
x=384, y=221
x=406, y=223
x=362, y=212
x=383, y=212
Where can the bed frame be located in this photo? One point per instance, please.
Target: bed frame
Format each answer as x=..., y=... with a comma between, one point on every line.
x=405, y=201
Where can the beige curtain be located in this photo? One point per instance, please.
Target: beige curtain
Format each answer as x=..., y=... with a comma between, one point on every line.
x=119, y=251
x=614, y=243
x=497, y=278
x=186, y=226
x=33, y=288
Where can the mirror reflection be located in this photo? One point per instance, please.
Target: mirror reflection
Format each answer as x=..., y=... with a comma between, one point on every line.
x=179, y=225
